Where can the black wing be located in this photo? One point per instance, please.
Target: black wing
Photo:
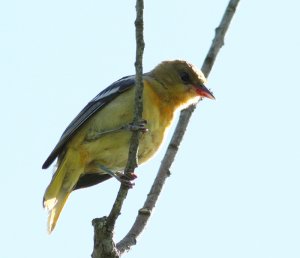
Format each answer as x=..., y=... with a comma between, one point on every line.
x=96, y=104
x=90, y=179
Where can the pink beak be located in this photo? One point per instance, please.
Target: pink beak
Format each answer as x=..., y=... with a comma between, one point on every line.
x=204, y=92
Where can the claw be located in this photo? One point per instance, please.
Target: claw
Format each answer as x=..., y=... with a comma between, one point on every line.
x=127, y=183
x=126, y=180
x=131, y=176
x=140, y=126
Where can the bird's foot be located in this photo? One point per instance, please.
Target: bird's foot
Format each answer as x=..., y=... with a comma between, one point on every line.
x=140, y=126
x=126, y=179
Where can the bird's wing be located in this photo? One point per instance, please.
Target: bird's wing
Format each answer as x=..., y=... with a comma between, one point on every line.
x=96, y=104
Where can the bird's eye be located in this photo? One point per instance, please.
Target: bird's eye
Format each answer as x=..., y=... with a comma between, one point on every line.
x=185, y=77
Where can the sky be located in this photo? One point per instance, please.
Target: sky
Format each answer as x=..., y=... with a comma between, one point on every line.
x=234, y=187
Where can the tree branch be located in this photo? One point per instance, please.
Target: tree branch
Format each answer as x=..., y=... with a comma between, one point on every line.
x=132, y=162
x=218, y=40
x=164, y=170
x=104, y=246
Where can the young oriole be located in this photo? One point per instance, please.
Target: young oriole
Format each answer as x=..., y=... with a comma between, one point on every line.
x=95, y=144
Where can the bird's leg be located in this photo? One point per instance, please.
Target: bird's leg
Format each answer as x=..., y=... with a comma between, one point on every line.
x=121, y=177
x=141, y=126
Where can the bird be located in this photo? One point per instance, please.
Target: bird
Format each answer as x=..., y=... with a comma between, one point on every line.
x=94, y=147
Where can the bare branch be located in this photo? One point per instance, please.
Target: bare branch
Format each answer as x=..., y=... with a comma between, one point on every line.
x=218, y=41
x=104, y=245
x=163, y=173
x=145, y=212
x=138, y=111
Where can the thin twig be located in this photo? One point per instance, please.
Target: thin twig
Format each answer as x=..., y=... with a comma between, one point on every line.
x=132, y=162
x=104, y=245
x=218, y=40
x=163, y=173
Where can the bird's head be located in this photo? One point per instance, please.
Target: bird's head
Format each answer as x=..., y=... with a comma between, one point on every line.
x=181, y=79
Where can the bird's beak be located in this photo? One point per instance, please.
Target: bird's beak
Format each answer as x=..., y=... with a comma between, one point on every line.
x=204, y=92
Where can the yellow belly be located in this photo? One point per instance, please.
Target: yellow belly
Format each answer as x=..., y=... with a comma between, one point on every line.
x=111, y=149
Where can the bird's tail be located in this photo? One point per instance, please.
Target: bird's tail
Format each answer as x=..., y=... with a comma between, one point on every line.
x=61, y=185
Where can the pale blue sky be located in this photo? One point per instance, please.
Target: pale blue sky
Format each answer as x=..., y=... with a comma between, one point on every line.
x=234, y=190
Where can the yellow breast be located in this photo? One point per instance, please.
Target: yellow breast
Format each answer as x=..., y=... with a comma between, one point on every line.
x=111, y=149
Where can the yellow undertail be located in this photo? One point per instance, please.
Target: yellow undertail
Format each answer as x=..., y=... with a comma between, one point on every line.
x=61, y=185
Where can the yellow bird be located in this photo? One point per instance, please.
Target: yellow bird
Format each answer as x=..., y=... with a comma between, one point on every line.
x=95, y=144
